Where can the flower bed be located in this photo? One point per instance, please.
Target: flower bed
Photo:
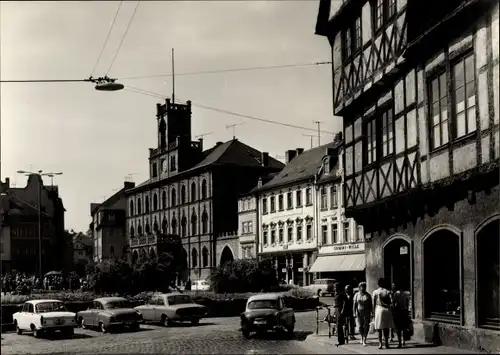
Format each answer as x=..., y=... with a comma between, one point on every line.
x=219, y=305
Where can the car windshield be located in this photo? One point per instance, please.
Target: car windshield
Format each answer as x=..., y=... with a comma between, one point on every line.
x=179, y=299
x=263, y=304
x=118, y=304
x=44, y=307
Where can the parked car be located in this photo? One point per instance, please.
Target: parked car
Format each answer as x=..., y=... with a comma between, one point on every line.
x=265, y=312
x=172, y=307
x=322, y=287
x=110, y=313
x=44, y=316
x=200, y=285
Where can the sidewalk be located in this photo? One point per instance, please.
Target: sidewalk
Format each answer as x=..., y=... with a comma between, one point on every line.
x=411, y=347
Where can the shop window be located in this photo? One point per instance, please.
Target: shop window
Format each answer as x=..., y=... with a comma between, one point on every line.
x=442, y=277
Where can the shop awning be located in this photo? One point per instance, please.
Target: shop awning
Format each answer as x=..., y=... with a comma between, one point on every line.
x=333, y=263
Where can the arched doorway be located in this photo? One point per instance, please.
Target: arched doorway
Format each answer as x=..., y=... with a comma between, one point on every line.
x=226, y=256
x=442, y=299
x=397, y=263
x=488, y=275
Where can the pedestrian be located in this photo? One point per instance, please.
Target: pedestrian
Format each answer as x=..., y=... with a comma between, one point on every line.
x=400, y=306
x=383, y=314
x=339, y=309
x=362, y=310
x=393, y=330
x=349, y=315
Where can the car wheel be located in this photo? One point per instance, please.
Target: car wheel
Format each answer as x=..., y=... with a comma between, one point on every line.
x=135, y=327
x=195, y=321
x=246, y=333
x=102, y=327
x=69, y=332
x=81, y=321
x=36, y=332
x=18, y=330
x=165, y=321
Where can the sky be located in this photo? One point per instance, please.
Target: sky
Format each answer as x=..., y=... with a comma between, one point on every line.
x=97, y=139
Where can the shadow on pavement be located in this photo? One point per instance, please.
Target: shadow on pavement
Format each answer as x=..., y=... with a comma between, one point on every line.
x=189, y=325
x=61, y=336
x=297, y=335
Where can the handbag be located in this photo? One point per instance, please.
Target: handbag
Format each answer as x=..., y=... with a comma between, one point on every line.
x=372, y=328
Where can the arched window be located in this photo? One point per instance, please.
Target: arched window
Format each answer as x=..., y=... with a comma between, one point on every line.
x=183, y=226
x=155, y=202
x=155, y=225
x=194, y=223
x=174, y=225
x=173, y=199
x=204, y=189
x=131, y=231
x=194, y=257
x=183, y=194
x=204, y=256
x=204, y=222
x=131, y=207
x=139, y=229
x=148, y=228
x=193, y=192
x=146, y=204
x=164, y=226
x=139, y=206
x=163, y=199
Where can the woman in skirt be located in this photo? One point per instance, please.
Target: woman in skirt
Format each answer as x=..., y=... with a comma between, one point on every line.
x=383, y=314
x=363, y=311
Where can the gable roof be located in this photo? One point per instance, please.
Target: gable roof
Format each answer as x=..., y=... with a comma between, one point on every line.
x=302, y=167
x=232, y=152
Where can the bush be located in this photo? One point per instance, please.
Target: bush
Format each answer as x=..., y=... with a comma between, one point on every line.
x=243, y=276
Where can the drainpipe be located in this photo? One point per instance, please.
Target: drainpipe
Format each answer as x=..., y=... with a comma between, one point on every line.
x=316, y=218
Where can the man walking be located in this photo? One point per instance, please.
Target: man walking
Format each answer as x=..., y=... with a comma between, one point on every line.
x=350, y=322
x=339, y=310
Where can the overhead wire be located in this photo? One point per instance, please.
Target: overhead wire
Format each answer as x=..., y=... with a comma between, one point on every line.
x=107, y=38
x=232, y=113
x=123, y=38
x=228, y=70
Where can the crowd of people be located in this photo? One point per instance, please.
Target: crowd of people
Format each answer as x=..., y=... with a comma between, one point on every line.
x=386, y=311
x=24, y=284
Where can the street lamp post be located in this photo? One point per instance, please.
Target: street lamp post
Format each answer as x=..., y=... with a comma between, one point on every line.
x=39, y=210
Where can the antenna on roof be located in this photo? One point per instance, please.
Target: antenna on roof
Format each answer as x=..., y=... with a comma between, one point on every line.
x=319, y=131
x=233, y=126
x=311, y=136
x=200, y=136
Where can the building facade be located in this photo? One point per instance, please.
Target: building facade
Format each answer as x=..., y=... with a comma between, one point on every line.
x=82, y=248
x=20, y=225
x=247, y=226
x=417, y=85
x=192, y=193
x=341, y=245
x=108, y=226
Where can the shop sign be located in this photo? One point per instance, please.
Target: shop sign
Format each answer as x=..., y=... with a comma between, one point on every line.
x=342, y=248
x=403, y=250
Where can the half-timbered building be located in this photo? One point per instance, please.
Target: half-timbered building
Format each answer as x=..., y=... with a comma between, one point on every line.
x=192, y=193
x=417, y=85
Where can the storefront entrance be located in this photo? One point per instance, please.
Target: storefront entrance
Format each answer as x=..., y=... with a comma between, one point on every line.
x=397, y=263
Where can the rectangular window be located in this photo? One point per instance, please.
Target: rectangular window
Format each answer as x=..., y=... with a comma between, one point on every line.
x=265, y=237
x=347, y=232
x=250, y=227
x=244, y=228
x=324, y=198
x=352, y=39
x=298, y=198
x=360, y=236
x=273, y=206
x=335, y=233
x=383, y=11
x=264, y=205
x=289, y=200
x=438, y=110
x=379, y=14
x=273, y=236
x=281, y=235
x=290, y=233
x=464, y=96
x=324, y=234
x=299, y=232
x=387, y=133
x=155, y=170
x=280, y=202
x=391, y=8
x=333, y=197
x=309, y=230
x=308, y=196
x=371, y=141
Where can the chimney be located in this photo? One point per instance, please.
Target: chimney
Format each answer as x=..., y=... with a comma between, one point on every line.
x=7, y=182
x=289, y=155
x=330, y=152
x=201, y=143
x=260, y=182
x=128, y=185
x=158, y=110
x=338, y=137
x=264, y=159
x=299, y=151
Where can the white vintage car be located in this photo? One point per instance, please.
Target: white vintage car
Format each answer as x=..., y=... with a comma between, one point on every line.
x=43, y=317
x=172, y=307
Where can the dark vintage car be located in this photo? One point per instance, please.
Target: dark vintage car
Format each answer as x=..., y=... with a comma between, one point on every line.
x=167, y=308
x=110, y=313
x=265, y=312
